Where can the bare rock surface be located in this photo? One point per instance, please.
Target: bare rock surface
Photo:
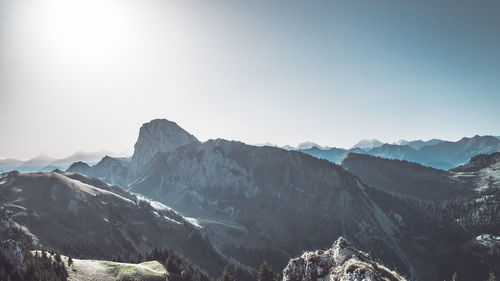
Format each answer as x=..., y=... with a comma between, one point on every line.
x=342, y=262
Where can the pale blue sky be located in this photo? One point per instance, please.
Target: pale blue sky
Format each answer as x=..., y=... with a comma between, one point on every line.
x=84, y=75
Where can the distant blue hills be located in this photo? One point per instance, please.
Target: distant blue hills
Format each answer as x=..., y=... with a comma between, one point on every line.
x=435, y=153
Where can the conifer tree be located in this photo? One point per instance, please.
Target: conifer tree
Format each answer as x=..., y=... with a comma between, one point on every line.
x=266, y=273
x=227, y=275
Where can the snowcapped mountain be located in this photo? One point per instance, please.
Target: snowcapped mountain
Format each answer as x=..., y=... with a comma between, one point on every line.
x=367, y=144
x=309, y=145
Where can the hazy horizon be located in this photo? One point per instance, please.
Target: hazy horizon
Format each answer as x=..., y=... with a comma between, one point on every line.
x=85, y=75
x=129, y=151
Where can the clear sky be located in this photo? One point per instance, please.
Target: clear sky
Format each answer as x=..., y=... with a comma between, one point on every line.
x=85, y=74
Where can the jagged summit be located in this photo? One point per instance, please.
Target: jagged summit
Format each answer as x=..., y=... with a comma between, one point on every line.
x=159, y=135
x=342, y=262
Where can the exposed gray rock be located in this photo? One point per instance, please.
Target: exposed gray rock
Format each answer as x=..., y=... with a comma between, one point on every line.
x=159, y=135
x=11, y=250
x=341, y=262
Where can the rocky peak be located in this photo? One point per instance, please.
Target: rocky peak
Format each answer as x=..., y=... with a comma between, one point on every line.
x=342, y=262
x=159, y=135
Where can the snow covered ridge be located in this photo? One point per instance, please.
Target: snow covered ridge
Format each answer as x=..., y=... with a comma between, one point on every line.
x=342, y=262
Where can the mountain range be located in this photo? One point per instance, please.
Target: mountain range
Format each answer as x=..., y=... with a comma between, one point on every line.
x=85, y=217
x=251, y=199
x=433, y=153
x=45, y=163
x=229, y=202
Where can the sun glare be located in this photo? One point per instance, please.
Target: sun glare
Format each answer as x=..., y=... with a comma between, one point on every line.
x=87, y=31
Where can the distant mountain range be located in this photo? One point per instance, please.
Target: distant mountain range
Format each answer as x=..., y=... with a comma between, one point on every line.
x=433, y=153
x=45, y=163
x=437, y=153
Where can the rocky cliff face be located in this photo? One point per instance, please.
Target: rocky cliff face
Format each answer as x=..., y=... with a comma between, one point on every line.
x=342, y=262
x=252, y=199
x=158, y=135
x=11, y=250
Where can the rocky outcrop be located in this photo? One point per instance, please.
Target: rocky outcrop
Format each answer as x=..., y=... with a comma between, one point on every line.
x=159, y=135
x=342, y=262
x=11, y=250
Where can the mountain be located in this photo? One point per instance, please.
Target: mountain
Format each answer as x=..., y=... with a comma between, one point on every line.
x=79, y=167
x=479, y=162
x=84, y=217
x=309, y=145
x=433, y=153
x=406, y=178
x=341, y=262
x=367, y=144
x=36, y=163
x=156, y=136
x=9, y=164
x=333, y=154
x=44, y=163
x=418, y=144
x=267, y=203
x=480, y=249
x=259, y=200
x=460, y=152
x=87, y=157
x=400, y=152
x=113, y=170
x=467, y=200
